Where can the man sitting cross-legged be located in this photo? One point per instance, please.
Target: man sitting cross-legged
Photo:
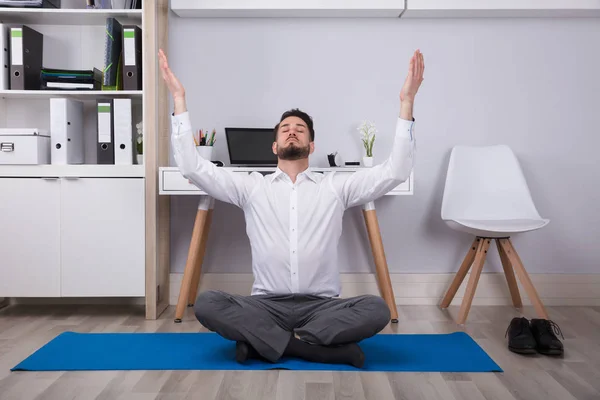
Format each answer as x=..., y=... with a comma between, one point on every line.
x=294, y=222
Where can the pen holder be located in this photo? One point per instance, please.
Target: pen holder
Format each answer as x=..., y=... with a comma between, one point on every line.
x=205, y=152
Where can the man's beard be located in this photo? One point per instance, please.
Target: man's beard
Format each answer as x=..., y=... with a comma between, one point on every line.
x=293, y=152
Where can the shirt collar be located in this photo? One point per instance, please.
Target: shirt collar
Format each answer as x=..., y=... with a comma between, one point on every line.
x=279, y=173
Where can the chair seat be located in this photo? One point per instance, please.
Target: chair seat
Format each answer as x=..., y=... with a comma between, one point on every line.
x=497, y=228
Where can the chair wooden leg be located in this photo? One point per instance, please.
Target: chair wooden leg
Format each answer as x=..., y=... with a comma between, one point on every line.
x=515, y=260
x=381, y=267
x=202, y=252
x=194, y=261
x=461, y=273
x=510, y=277
x=473, y=280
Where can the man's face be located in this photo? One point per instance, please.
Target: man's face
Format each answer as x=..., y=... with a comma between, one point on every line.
x=293, y=140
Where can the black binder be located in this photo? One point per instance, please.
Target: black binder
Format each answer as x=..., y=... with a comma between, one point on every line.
x=26, y=53
x=132, y=57
x=113, y=46
x=106, y=132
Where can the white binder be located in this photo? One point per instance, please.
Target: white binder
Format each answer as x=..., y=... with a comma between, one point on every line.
x=123, y=128
x=4, y=59
x=66, y=131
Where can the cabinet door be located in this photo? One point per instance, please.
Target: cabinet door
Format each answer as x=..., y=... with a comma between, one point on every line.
x=29, y=237
x=102, y=237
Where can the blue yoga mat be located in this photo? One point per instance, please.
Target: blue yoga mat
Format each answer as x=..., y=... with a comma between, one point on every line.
x=70, y=351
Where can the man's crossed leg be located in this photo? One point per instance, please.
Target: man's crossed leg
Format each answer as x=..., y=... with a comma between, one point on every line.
x=266, y=325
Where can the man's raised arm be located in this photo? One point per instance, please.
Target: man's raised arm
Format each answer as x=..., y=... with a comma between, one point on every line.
x=371, y=183
x=224, y=185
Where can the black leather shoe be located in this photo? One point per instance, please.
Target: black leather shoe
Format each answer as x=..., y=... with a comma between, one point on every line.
x=520, y=337
x=547, y=342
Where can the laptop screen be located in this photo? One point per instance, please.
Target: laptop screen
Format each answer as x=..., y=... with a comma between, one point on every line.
x=250, y=146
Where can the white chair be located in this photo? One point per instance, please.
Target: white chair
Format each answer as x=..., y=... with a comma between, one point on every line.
x=486, y=195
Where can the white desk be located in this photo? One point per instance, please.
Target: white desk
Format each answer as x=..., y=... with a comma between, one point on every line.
x=171, y=182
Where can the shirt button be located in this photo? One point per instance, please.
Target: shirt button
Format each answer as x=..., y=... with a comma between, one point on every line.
x=294, y=251
x=293, y=208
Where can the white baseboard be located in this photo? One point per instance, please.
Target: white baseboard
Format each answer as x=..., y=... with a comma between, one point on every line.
x=429, y=289
x=137, y=301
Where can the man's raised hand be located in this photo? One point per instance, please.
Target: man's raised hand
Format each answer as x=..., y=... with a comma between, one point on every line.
x=175, y=87
x=414, y=77
x=173, y=84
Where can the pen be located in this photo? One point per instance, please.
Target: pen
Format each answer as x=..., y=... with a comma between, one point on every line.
x=212, y=138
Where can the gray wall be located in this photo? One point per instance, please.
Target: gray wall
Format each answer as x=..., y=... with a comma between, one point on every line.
x=530, y=83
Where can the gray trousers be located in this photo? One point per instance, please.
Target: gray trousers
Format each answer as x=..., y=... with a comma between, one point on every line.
x=267, y=322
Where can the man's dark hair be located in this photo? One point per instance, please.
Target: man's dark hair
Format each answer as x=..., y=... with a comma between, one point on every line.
x=300, y=114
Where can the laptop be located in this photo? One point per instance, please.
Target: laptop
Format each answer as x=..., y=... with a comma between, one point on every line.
x=250, y=147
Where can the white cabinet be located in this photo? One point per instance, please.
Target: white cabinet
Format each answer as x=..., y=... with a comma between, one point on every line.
x=501, y=8
x=72, y=237
x=102, y=237
x=288, y=8
x=386, y=8
x=29, y=237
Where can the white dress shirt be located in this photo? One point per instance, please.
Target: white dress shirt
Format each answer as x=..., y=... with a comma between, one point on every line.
x=294, y=228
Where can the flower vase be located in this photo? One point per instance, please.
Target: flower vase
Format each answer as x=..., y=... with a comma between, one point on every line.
x=367, y=161
x=140, y=159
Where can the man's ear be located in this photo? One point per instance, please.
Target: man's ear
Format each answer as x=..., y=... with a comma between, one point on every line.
x=274, y=148
x=312, y=147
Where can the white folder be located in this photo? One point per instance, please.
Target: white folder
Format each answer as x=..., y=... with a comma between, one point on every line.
x=66, y=131
x=123, y=128
x=4, y=60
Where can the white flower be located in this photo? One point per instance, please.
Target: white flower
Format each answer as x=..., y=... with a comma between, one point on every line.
x=367, y=132
x=140, y=128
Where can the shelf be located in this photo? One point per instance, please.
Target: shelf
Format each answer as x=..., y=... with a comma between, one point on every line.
x=74, y=94
x=289, y=8
x=72, y=171
x=501, y=8
x=64, y=16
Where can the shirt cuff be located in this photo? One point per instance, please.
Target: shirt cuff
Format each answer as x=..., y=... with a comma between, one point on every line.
x=404, y=128
x=181, y=123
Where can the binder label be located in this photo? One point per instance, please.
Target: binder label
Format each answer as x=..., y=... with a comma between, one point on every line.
x=104, y=123
x=129, y=35
x=16, y=46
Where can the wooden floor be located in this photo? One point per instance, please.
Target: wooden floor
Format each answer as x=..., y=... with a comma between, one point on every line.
x=23, y=329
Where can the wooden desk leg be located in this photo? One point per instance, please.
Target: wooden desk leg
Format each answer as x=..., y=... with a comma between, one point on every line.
x=202, y=252
x=195, y=254
x=381, y=267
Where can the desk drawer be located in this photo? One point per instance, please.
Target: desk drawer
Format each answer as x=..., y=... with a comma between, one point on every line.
x=173, y=181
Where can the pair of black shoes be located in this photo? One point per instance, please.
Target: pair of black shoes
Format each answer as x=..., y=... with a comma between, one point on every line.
x=537, y=336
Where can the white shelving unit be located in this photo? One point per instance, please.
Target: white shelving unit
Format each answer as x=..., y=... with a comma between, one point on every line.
x=71, y=171
x=73, y=94
x=71, y=230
